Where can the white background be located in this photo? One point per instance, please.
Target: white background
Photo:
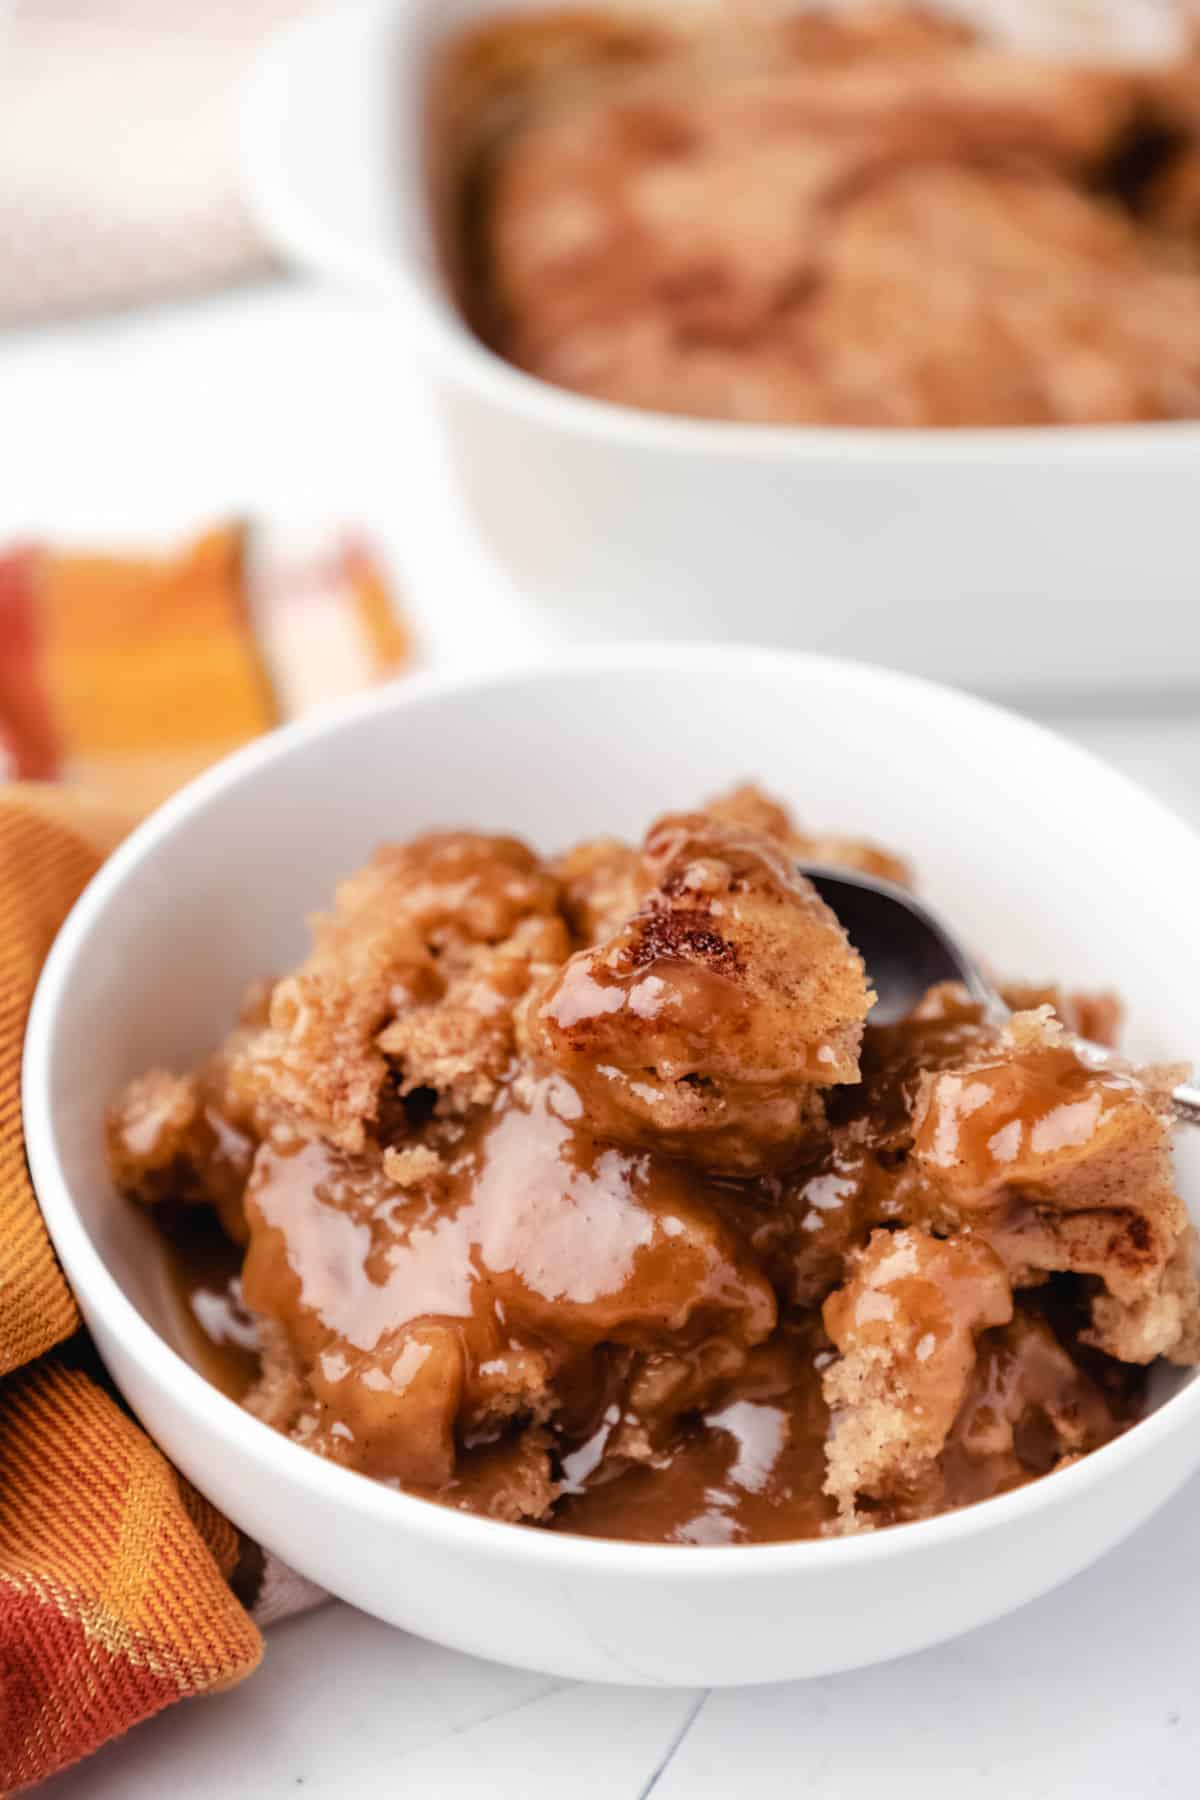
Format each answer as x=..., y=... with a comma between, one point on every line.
x=286, y=402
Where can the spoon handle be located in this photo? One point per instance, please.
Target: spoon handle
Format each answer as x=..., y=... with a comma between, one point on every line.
x=1186, y=1101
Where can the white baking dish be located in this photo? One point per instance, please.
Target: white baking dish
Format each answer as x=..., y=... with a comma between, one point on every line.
x=1039, y=560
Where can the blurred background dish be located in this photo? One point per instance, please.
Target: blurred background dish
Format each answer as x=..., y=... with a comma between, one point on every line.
x=868, y=215
x=1015, y=560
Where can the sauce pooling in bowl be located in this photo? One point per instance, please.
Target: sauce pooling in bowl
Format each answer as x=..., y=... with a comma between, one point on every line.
x=582, y=1193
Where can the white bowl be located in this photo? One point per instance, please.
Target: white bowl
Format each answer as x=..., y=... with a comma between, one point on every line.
x=1053, y=862
x=1043, y=559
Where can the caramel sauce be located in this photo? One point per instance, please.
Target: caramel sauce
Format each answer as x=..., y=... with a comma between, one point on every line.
x=747, y=1470
x=1027, y=1395
x=425, y=1313
x=937, y=1290
x=990, y=1121
x=668, y=991
x=633, y=1302
x=204, y=1274
x=690, y=994
x=537, y=1229
x=947, y=1030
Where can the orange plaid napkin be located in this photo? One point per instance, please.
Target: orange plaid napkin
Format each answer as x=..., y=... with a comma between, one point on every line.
x=121, y=1589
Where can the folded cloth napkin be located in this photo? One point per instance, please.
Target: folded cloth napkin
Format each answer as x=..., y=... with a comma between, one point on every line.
x=121, y=1589
x=119, y=177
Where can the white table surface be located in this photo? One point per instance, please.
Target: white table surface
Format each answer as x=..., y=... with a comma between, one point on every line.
x=290, y=402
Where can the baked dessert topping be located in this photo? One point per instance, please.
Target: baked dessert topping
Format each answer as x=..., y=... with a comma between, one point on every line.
x=709, y=1022
x=583, y=1193
x=852, y=216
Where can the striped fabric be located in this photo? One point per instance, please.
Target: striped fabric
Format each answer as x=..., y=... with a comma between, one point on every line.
x=44, y=863
x=114, y=1590
x=121, y=1589
x=127, y=675
x=114, y=1595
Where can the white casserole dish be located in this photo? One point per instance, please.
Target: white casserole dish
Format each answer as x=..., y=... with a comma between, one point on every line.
x=1038, y=560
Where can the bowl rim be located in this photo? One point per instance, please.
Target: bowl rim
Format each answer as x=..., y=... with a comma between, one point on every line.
x=268, y=109
x=182, y=1386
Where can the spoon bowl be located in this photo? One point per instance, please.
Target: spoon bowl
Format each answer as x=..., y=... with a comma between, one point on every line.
x=906, y=947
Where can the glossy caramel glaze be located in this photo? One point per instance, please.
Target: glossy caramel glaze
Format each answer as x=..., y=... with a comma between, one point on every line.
x=747, y=1469
x=216, y=1331
x=531, y=1247
x=576, y=1194
x=709, y=1023
x=1002, y=1117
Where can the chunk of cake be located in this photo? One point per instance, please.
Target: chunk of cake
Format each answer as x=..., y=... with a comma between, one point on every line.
x=905, y=1326
x=411, y=982
x=710, y=1023
x=1065, y=1168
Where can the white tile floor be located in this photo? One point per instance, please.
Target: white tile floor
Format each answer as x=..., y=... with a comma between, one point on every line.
x=285, y=401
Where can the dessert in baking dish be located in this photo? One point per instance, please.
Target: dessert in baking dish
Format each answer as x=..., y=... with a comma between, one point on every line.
x=871, y=217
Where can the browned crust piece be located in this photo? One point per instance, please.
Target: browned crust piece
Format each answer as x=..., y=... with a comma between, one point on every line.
x=711, y=1021
x=418, y=966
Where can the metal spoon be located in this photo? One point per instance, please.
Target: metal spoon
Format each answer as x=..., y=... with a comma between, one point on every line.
x=907, y=948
